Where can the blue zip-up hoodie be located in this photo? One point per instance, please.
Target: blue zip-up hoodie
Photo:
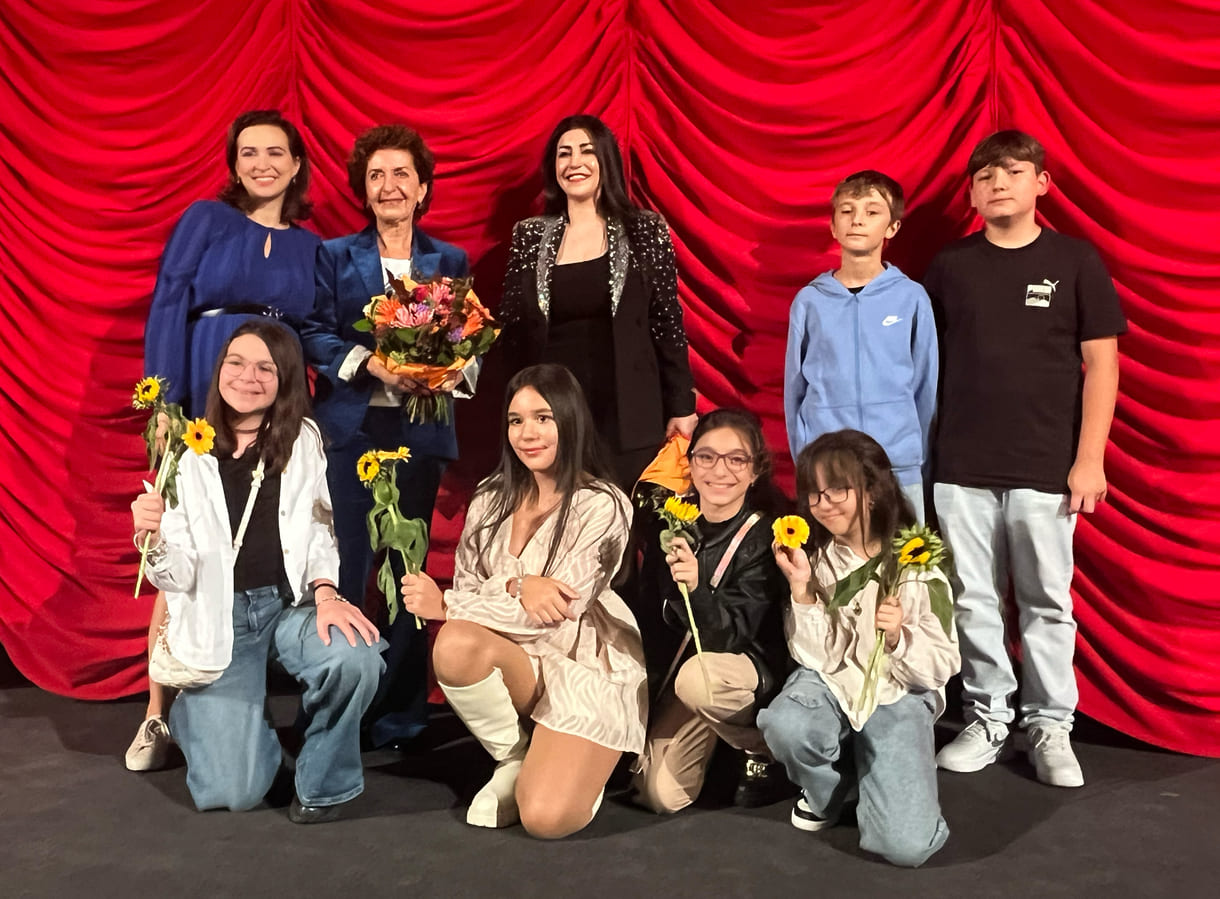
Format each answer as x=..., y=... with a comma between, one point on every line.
x=866, y=361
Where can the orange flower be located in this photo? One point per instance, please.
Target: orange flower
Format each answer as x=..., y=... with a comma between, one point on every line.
x=475, y=315
x=386, y=312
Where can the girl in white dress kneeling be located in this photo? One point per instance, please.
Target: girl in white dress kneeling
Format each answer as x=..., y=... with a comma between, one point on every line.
x=532, y=629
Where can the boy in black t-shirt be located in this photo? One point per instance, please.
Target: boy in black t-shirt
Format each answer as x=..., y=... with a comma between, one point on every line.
x=1019, y=448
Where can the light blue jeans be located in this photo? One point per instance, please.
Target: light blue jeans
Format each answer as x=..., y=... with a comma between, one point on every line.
x=1025, y=534
x=914, y=492
x=892, y=760
x=232, y=752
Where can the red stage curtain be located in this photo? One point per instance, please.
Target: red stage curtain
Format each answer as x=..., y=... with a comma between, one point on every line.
x=736, y=118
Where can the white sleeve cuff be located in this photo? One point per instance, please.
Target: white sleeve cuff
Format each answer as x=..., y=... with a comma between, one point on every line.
x=352, y=363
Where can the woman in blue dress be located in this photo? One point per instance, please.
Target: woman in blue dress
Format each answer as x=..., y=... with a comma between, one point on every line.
x=229, y=260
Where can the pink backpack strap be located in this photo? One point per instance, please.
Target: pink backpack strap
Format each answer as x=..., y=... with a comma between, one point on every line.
x=733, y=545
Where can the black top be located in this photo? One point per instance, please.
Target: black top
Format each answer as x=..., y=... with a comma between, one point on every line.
x=580, y=336
x=1011, y=323
x=743, y=614
x=260, y=561
x=650, y=374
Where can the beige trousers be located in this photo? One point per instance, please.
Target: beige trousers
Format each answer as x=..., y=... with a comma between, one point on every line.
x=688, y=721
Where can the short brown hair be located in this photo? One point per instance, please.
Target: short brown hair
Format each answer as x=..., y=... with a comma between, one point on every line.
x=861, y=184
x=391, y=137
x=1010, y=144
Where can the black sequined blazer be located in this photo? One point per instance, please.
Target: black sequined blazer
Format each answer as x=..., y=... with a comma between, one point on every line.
x=651, y=370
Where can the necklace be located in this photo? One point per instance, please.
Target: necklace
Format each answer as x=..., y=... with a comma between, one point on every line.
x=247, y=430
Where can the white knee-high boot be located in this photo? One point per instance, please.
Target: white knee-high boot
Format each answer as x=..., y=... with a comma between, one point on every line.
x=487, y=710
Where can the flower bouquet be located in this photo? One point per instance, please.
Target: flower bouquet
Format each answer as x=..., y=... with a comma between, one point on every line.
x=427, y=331
x=168, y=447
x=388, y=530
x=913, y=551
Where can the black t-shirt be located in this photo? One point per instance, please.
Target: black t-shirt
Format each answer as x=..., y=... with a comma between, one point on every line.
x=260, y=561
x=1011, y=322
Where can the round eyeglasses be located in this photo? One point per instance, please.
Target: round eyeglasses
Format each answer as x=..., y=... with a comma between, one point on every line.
x=735, y=462
x=830, y=494
x=235, y=367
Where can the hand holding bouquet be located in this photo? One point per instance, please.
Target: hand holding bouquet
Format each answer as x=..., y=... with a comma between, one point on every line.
x=429, y=331
x=388, y=530
x=166, y=445
x=913, y=551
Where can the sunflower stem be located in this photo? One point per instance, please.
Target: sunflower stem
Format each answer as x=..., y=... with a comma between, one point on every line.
x=694, y=632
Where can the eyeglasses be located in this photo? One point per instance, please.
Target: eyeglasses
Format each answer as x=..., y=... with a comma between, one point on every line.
x=235, y=367
x=830, y=494
x=734, y=462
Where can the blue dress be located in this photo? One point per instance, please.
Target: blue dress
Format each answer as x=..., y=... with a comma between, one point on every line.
x=215, y=259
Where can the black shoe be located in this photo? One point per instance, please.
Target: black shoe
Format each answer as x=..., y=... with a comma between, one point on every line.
x=313, y=814
x=762, y=782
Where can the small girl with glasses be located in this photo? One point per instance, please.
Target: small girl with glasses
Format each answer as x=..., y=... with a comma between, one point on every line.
x=735, y=590
x=831, y=747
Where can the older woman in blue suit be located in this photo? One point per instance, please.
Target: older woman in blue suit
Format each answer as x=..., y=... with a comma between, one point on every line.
x=359, y=402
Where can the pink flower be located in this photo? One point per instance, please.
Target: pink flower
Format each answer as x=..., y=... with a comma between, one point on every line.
x=442, y=294
x=418, y=314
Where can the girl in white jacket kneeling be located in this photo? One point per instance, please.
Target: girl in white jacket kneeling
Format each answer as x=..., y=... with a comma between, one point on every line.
x=249, y=563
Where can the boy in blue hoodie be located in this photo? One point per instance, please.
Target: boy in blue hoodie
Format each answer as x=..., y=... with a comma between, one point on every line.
x=862, y=348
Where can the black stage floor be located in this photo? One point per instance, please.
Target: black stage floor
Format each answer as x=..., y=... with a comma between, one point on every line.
x=74, y=822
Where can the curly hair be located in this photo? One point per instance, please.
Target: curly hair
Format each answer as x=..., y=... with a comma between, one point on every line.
x=391, y=137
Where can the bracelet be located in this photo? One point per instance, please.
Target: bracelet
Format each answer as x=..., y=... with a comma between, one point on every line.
x=156, y=551
x=517, y=592
x=338, y=597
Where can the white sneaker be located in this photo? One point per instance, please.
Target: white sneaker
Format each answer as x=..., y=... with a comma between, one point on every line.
x=974, y=748
x=150, y=748
x=1050, y=751
x=803, y=817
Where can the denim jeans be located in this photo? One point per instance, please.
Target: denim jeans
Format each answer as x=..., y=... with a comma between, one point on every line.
x=914, y=492
x=1027, y=534
x=232, y=752
x=892, y=760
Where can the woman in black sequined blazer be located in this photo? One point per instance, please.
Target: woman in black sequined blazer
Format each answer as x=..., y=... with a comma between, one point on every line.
x=592, y=285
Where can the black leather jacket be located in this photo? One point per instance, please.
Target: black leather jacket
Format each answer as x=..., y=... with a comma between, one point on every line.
x=744, y=613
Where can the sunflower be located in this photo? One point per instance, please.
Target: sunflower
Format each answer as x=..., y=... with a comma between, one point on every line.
x=402, y=454
x=146, y=393
x=367, y=466
x=199, y=436
x=791, y=531
x=919, y=547
x=681, y=511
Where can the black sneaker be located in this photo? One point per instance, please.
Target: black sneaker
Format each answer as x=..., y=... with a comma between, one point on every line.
x=762, y=782
x=803, y=817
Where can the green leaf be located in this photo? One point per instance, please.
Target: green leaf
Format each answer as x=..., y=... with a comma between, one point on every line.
x=373, y=522
x=388, y=584
x=363, y=325
x=942, y=604
x=849, y=586
x=169, y=489
x=385, y=493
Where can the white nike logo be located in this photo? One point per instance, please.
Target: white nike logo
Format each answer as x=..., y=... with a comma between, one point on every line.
x=890, y=320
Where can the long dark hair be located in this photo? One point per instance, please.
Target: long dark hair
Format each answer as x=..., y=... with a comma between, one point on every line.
x=853, y=459
x=579, y=460
x=283, y=420
x=763, y=495
x=612, y=201
x=296, y=208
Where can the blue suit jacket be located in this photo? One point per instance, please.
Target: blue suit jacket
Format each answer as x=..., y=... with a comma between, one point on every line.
x=347, y=275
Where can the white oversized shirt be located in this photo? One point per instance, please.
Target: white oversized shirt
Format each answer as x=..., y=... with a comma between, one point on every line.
x=196, y=570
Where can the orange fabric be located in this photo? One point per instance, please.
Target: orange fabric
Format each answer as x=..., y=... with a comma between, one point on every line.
x=670, y=469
